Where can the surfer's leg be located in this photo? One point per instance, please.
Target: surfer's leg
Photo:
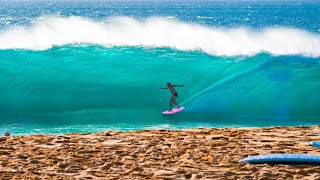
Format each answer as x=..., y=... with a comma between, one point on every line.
x=172, y=100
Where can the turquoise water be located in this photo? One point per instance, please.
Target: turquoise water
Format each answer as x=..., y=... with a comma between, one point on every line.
x=99, y=66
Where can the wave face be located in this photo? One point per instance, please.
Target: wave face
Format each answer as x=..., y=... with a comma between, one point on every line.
x=91, y=66
x=72, y=88
x=47, y=32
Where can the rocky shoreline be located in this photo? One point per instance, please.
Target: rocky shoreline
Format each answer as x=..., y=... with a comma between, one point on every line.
x=158, y=154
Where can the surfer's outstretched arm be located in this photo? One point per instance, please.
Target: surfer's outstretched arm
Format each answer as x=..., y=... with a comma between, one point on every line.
x=178, y=85
x=164, y=88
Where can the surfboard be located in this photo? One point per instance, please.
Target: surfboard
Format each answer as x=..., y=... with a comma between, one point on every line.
x=315, y=144
x=284, y=158
x=173, y=110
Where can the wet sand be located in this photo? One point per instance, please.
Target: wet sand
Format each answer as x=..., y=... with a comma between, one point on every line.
x=158, y=154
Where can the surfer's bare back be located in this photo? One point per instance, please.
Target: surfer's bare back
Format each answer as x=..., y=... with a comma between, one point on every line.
x=174, y=94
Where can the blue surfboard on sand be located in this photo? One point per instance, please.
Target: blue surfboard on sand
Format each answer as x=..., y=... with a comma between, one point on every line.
x=315, y=144
x=284, y=158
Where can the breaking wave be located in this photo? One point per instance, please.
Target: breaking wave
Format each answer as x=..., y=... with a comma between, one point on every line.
x=49, y=31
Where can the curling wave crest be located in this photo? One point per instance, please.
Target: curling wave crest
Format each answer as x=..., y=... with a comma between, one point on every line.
x=154, y=32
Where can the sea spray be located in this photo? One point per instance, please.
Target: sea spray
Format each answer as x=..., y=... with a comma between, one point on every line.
x=156, y=32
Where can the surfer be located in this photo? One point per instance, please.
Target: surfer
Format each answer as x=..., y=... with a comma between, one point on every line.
x=174, y=94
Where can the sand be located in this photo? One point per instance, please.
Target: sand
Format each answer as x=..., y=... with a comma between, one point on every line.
x=158, y=154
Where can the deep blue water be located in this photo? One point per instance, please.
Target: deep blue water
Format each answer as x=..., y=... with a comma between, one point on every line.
x=90, y=66
x=303, y=14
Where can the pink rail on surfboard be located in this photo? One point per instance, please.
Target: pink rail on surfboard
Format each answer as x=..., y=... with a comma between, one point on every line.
x=173, y=111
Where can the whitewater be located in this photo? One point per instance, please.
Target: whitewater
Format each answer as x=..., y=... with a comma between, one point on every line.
x=79, y=66
x=47, y=32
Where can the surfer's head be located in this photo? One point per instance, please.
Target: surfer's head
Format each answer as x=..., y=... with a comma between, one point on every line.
x=168, y=84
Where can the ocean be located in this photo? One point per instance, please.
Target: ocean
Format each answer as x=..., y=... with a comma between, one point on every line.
x=89, y=66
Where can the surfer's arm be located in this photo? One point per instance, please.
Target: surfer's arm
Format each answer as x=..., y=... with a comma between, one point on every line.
x=164, y=88
x=178, y=85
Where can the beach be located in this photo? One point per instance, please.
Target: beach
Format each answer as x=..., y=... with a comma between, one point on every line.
x=158, y=154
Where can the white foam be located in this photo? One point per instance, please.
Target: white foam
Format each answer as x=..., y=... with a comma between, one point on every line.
x=47, y=32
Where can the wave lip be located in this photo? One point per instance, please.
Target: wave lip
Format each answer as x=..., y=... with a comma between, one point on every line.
x=155, y=32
